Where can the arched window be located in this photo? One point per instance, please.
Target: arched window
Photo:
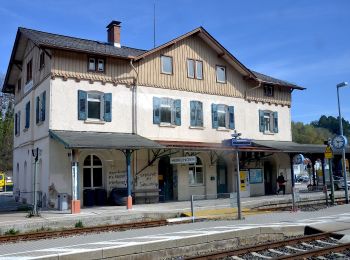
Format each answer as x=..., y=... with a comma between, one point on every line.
x=92, y=172
x=195, y=173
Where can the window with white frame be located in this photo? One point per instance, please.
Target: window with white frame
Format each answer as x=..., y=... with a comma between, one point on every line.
x=166, y=64
x=96, y=64
x=92, y=172
x=222, y=115
x=195, y=173
x=196, y=108
x=221, y=74
x=166, y=111
x=268, y=121
x=194, y=69
x=268, y=90
x=94, y=106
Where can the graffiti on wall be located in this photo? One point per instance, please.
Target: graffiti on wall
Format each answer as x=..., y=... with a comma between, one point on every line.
x=117, y=180
x=147, y=180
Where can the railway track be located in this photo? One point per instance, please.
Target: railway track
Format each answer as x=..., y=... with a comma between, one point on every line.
x=325, y=245
x=79, y=231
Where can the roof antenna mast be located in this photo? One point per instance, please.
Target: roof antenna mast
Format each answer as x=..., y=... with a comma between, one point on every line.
x=154, y=24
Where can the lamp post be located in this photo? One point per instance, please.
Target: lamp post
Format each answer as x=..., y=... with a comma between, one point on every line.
x=340, y=85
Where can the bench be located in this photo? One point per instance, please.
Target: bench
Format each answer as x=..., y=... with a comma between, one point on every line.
x=146, y=195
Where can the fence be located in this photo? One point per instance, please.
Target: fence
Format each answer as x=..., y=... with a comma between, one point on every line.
x=214, y=205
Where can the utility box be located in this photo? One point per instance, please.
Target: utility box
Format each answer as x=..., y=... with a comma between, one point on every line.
x=62, y=201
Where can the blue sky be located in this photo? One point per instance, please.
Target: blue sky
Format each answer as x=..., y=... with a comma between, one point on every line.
x=304, y=42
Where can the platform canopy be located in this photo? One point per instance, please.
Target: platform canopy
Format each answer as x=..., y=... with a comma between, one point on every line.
x=292, y=147
x=102, y=140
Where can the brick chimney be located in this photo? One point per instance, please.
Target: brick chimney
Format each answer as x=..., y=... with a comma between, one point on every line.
x=113, y=33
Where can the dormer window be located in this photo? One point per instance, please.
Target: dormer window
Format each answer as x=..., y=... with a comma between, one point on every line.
x=96, y=64
x=268, y=90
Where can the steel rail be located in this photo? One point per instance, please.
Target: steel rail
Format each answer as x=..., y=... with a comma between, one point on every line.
x=78, y=231
x=261, y=247
x=317, y=252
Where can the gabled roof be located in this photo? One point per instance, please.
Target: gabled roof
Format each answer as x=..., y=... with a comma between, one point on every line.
x=212, y=42
x=44, y=39
x=270, y=80
x=57, y=41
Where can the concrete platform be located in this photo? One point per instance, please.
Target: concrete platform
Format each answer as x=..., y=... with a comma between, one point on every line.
x=183, y=239
x=54, y=219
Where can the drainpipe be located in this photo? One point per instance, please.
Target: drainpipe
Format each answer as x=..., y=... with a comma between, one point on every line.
x=134, y=100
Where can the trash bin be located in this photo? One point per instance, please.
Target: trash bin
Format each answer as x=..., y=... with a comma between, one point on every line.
x=62, y=201
x=100, y=197
x=89, y=197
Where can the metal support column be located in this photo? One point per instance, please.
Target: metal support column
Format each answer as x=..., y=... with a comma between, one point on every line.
x=293, y=181
x=75, y=203
x=324, y=181
x=331, y=179
x=238, y=186
x=35, y=153
x=128, y=176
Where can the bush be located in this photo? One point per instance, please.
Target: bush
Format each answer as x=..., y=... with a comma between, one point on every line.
x=79, y=224
x=11, y=232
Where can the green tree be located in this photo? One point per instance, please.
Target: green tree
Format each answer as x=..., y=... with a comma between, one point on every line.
x=6, y=130
x=309, y=134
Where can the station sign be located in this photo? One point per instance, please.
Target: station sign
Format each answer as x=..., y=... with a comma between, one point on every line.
x=184, y=160
x=328, y=153
x=241, y=142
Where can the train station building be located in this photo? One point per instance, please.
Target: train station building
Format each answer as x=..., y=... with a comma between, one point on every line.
x=153, y=122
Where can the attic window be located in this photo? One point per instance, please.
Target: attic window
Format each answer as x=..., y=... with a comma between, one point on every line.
x=42, y=60
x=96, y=64
x=29, y=71
x=269, y=90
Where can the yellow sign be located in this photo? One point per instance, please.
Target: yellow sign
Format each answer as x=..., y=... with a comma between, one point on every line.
x=328, y=153
x=243, y=176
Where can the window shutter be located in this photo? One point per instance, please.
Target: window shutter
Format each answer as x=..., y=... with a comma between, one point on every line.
x=37, y=110
x=82, y=96
x=261, y=121
x=199, y=113
x=27, y=115
x=43, y=106
x=108, y=107
x=275, y=122
x=156, y=110
x=16, y=124
x=19, y=122
x=177, y=106
x=231, y=111
x=214, y=115
x=193, y=113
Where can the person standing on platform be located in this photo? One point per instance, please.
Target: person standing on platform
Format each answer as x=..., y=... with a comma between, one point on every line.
x=281, y=184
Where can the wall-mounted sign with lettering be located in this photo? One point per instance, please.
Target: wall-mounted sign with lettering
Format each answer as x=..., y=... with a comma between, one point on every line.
x=184, y=160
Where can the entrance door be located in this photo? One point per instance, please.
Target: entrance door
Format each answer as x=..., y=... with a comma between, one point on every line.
x=221, y=176
x=165, y=179
x=269, y=185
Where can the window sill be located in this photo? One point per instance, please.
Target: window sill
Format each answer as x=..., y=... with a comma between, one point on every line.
x=223, y=129
x=197, y=127
x=268, y=133
x=196, y=185
x=98, y=122
x=40, y=123
x=25, y=129
x=167, y=125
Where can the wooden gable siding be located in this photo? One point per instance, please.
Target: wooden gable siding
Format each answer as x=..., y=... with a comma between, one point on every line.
x=190, y=48
x=38, y=75
x=75, y=65
x=282, y=95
